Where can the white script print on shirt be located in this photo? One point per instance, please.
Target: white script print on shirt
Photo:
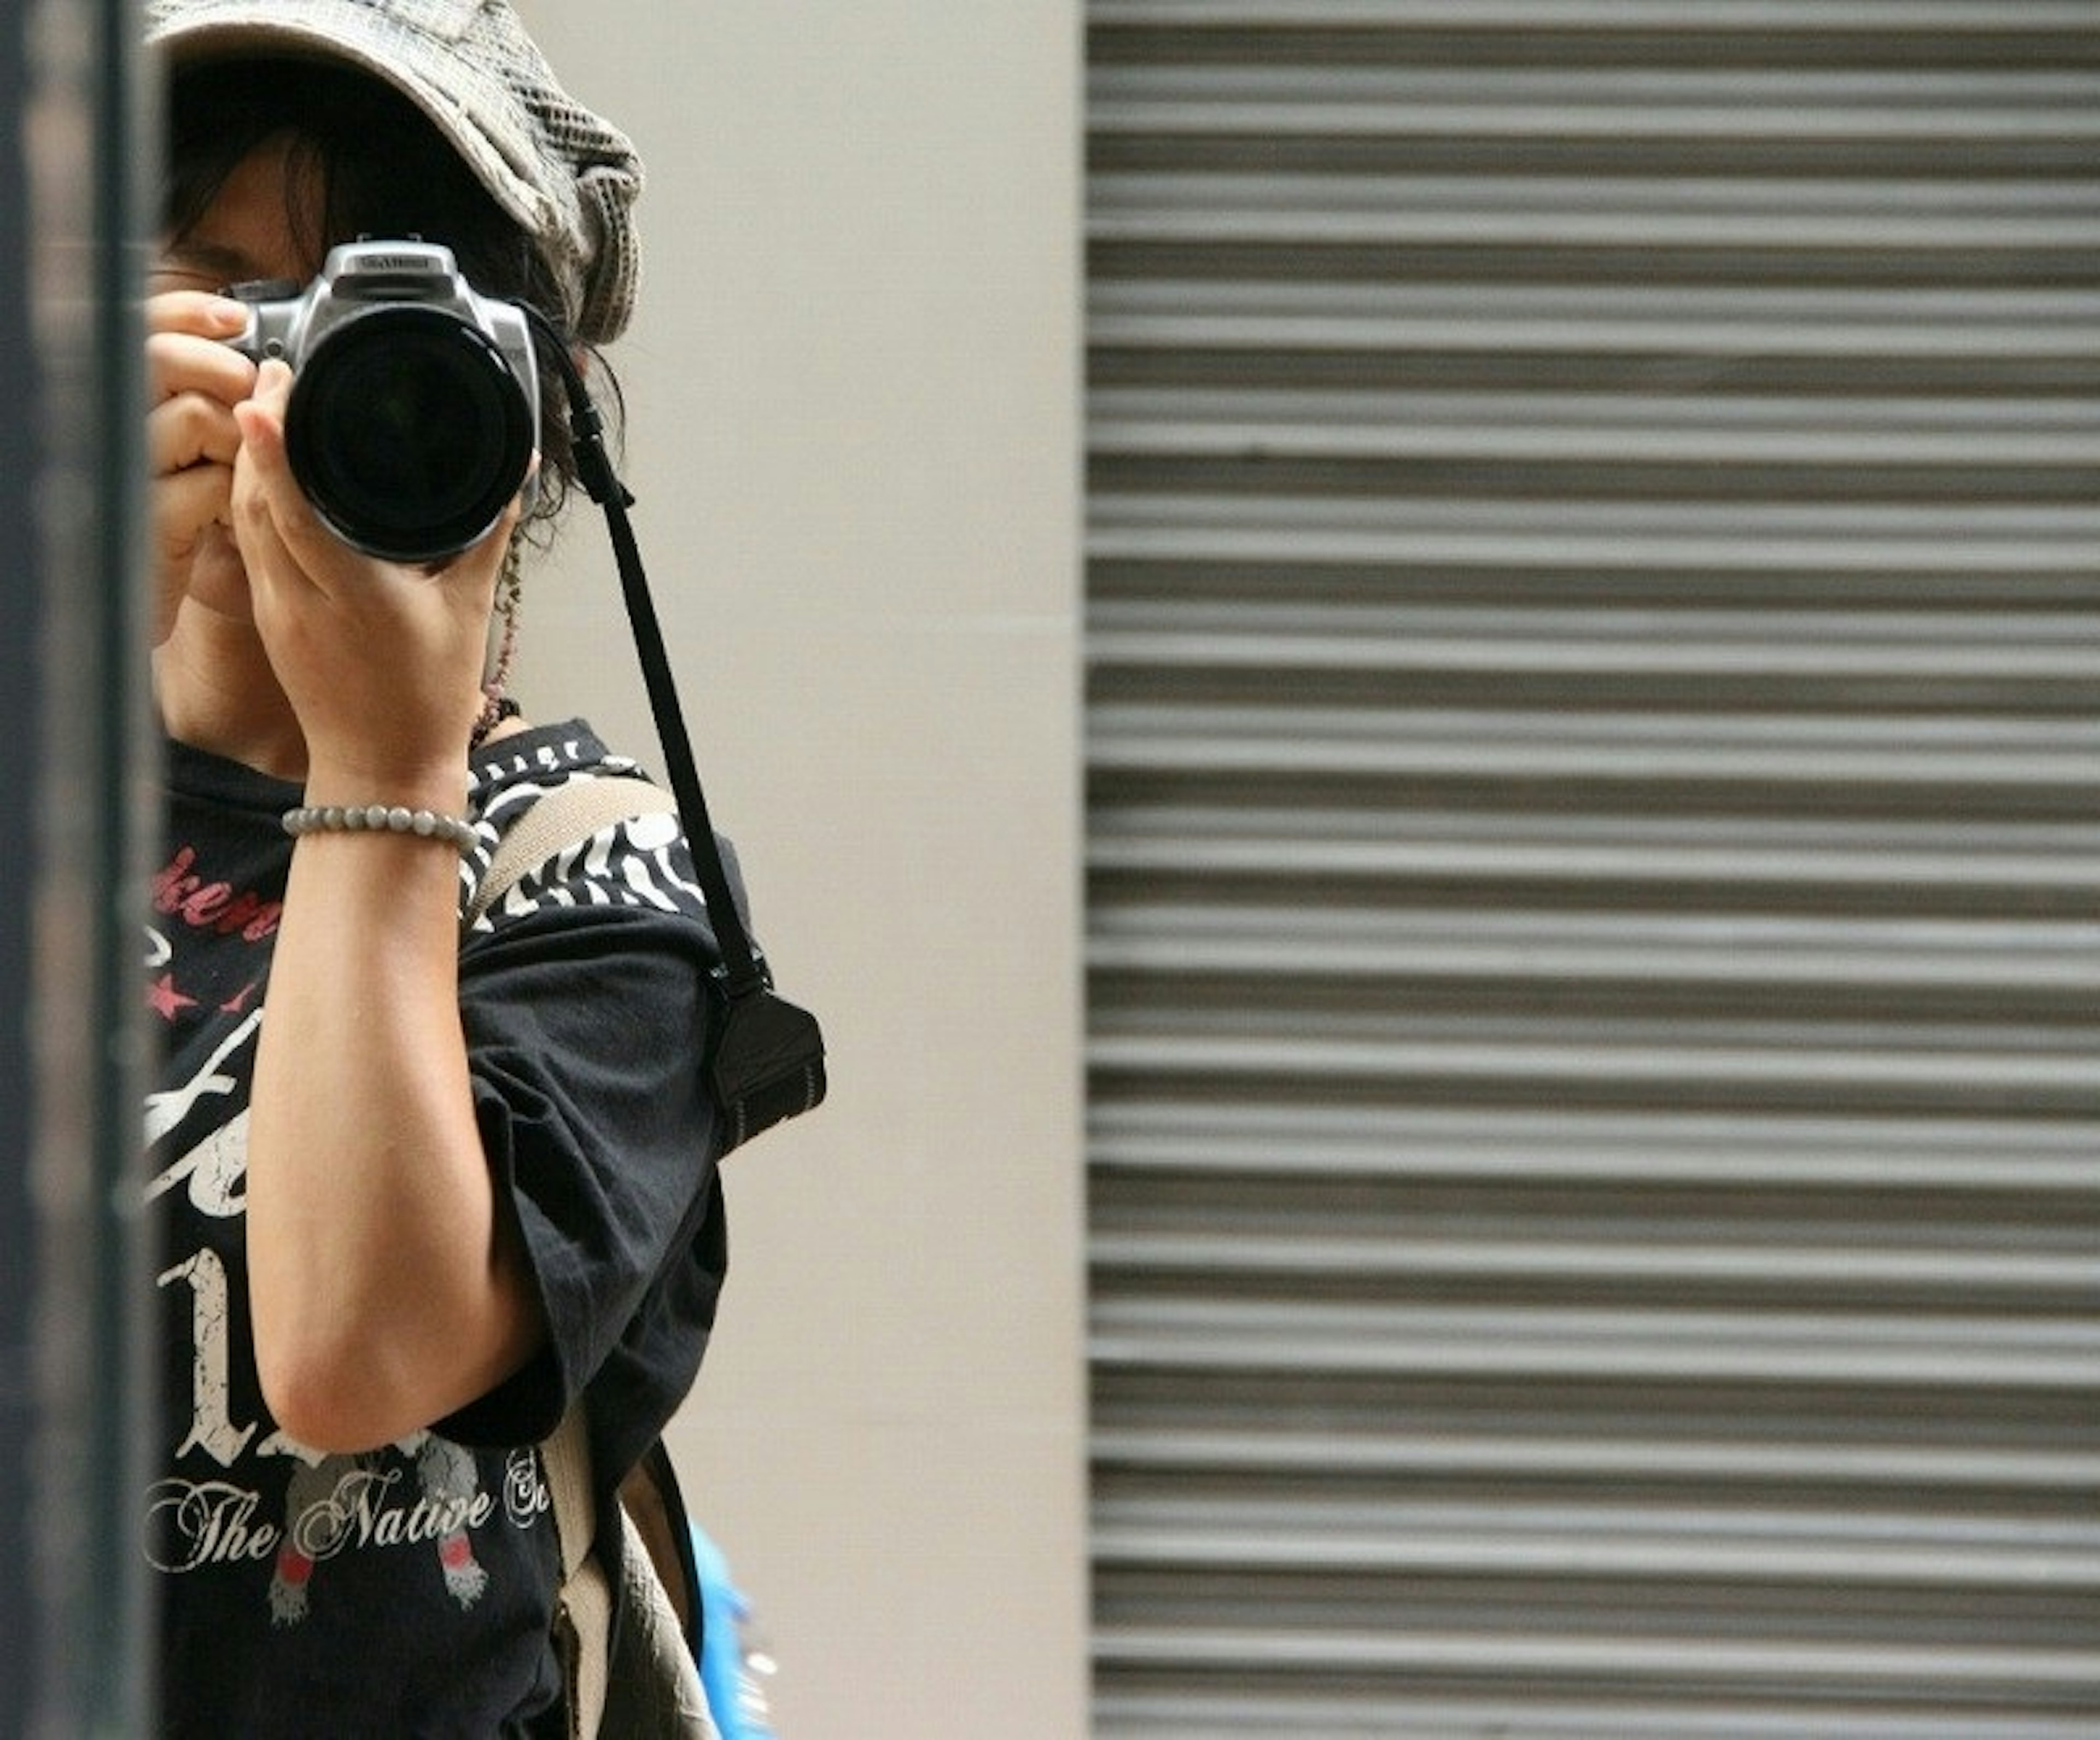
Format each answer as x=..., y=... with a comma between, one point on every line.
x=338, y=1505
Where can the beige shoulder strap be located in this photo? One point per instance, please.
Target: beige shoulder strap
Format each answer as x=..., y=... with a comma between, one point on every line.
x=582, y=1616
x=652, y=1691
x=571, y=812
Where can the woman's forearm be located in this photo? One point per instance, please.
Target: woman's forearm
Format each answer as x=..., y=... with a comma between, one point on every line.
x=387, y=1284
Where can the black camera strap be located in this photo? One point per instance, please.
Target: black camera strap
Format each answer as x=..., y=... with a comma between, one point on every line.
x=767, y=1063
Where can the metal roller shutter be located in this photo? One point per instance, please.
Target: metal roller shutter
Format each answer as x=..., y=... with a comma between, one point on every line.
x=1594, y=853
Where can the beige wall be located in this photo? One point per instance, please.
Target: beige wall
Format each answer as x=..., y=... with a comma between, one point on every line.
x=853, y=403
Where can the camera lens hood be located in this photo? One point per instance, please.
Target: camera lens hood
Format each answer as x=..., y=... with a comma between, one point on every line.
x=409, y=432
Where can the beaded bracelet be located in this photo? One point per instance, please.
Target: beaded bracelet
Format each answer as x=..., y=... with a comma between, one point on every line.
x=380, y=818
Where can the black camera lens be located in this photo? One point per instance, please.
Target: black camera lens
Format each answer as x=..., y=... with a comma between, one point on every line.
x=408, y=432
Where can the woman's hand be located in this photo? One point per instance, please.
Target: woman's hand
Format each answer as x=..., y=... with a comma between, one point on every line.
x=195, y=379
x=382, y=662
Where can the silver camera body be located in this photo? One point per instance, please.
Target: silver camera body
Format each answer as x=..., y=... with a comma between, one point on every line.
x=415, y=409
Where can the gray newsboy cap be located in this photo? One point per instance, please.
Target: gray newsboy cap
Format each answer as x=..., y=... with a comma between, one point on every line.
x=569, y=177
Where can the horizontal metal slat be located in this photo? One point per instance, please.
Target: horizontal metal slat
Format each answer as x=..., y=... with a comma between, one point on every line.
x=1564, y=1345
x=1286, y=216
x=1802, y=1668
x=1866, y=1464
x=1684, y=1542
x=1704, y=545
x=1284, y=313
x=1785, y=956
x=2032, y=657
x=1711, y=750
x=1481, y=101
x=1549, y=211
x=1524, y=428
x=1616, y=1155
x=1230, y=1258
x=1884, y=21
x=1697, y=634
x=1149, y=844
x=1686, y=343
x=1608, y=1057
x=1593, y=1714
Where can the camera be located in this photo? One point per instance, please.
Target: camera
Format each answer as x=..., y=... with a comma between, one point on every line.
x=415, y=408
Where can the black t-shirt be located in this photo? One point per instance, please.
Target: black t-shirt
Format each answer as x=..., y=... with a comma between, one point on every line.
x=410, y=1591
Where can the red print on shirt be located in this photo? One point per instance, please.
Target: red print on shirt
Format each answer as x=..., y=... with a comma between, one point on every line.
x=180, y=892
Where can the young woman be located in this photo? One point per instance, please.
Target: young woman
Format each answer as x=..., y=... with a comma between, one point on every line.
x=422, y=1181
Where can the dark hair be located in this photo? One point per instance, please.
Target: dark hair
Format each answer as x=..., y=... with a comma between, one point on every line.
x=380, y=169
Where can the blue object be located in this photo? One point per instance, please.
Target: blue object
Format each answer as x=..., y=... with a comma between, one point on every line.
x=734, y=1668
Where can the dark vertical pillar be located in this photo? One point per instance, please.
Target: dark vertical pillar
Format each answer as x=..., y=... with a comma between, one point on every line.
x=19, y=608
x=73, y=1285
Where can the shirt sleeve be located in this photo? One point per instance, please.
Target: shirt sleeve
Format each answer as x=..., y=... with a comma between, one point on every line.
x=587, y=1006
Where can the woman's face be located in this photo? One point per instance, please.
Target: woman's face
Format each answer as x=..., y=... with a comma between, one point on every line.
x=248, y=232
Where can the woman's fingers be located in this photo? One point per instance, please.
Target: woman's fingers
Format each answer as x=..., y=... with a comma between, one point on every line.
x=178, y=363
x=262, y=414
x=186, y=502
x=190, y=428
x=197, y=311
x=268, y=505
x=186, y=350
